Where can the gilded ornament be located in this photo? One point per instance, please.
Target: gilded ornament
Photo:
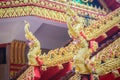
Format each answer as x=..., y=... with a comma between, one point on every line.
x=33, y=44
x=78, y=50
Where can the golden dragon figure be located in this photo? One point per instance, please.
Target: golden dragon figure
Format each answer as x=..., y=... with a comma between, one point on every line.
x=34, y=44
x=78, y=50
x=82, y=62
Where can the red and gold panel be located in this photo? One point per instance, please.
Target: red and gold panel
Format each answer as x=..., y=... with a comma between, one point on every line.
x=17, y=56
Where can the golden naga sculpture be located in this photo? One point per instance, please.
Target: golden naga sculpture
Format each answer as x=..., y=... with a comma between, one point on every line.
x=57, y=57
x=34, y=45
x=82, y=62
x=74, y=22
x=78, y=50
x=54, y=57
x=75, y=26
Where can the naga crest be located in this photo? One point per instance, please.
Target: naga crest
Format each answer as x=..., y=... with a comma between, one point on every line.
x=34, y=45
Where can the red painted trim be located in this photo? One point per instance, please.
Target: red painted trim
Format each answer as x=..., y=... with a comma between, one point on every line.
x=3, y=0
x=14, y=69
x=109, y=2
x=4, y=45
x=100, y=38
x=19, y=65
x=112, y=4
x=112, y=31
